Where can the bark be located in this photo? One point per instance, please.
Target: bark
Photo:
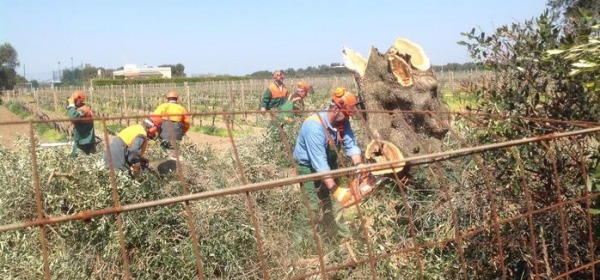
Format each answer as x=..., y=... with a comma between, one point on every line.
x=392, y=82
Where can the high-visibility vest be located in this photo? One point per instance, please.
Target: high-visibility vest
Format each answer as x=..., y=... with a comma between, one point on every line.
x=276, y=92
x=167, y=109
x=129, y=134
x=340, y=128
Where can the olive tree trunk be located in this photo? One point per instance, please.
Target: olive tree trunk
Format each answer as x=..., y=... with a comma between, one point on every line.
x=401, y=79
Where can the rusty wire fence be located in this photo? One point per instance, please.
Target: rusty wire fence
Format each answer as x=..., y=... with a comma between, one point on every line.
x=473, y=211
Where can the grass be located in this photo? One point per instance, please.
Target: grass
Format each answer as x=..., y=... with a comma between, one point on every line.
x=113, y=128
x=458, y=101
x=46, y=131
x=216, y=131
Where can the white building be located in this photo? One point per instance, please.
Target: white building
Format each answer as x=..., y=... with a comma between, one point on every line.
x=132, y=71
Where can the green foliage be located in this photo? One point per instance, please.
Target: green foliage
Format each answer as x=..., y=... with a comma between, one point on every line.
x=45, y=130
x=584, y=58
x=180, y=80
x=321, y=70
x=216, y=131
x=526, y=81
x=18, y=109
x=177, y=70
x=72, y=77
x=48, y=133
x=468, y=66
x=157, y=239
x=114, y=128
x=458, y=101
x=273, y=147
x=9, y=61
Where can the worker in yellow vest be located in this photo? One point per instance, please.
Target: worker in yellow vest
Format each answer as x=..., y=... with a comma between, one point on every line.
x=176, y=121
x=128, y=148
x=276, y=93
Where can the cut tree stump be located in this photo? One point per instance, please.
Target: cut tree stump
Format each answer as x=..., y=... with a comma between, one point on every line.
x=401, y=79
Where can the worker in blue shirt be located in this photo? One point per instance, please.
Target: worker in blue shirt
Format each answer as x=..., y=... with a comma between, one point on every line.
x=315, y=151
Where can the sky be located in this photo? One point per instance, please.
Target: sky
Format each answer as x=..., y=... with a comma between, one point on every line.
x=240, y=37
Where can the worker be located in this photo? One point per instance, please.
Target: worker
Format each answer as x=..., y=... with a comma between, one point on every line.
x=128, y=148
x=83, y=135
x=176, y=121
x=295, y=101
x=316, y=151
x=276, y=93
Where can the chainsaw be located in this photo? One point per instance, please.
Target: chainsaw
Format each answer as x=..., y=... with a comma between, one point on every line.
x=362, y=187
x=365, y=183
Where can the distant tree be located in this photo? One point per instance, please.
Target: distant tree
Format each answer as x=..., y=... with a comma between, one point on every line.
x=35, y=84
x=8, y=63
x=264, y=74
x=90, y=72
x=290, y=72
x=321, y=70
x=177, y=70
x=72, y=77
x=106, y=72
x=469, y=66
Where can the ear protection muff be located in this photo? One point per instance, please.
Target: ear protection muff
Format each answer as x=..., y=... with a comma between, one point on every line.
x=151, y=128
x=337, y=95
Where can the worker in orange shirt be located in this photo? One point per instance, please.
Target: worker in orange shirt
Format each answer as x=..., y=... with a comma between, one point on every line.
x=176, y=121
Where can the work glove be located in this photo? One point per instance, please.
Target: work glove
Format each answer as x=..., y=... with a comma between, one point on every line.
x=344, y=196
x=135, y=170
x=144, y=163
x=360, y=187
x=71, y=102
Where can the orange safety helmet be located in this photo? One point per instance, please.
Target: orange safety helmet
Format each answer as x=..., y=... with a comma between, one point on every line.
x=303, y=85
x=152, y=124
x=78, y=95
x=172, y=95
x=345, y=100
x=278, y=75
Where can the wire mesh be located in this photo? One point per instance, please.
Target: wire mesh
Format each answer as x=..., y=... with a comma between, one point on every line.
x=470, y=226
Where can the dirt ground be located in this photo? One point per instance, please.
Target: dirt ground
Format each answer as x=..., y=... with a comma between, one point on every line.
x=8, y=133
x=218, y=143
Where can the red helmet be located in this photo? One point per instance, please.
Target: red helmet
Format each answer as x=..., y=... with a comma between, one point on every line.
x=172, y=95
x=152, y=125
x=78, y=95
x=345, y=100
x=278, y=75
